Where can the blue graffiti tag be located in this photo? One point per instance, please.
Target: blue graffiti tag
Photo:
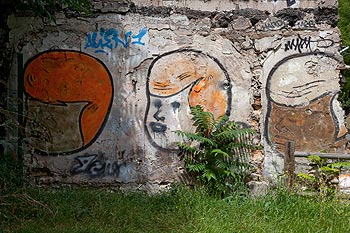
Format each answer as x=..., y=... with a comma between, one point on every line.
x=109, y=39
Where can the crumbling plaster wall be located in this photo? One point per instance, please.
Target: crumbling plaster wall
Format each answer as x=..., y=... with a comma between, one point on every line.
x=106, y=93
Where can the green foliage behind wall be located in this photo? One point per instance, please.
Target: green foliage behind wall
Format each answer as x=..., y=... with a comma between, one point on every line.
x=344, y=26
x=47, y=8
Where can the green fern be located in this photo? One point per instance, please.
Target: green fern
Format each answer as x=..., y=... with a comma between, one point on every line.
x=216, y=154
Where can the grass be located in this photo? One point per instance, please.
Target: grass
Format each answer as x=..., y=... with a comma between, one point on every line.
x=179, y=210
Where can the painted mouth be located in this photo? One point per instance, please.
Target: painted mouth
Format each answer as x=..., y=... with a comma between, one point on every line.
x=158, y=127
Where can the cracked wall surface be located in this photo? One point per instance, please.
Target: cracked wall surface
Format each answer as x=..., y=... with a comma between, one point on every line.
x=105, y=93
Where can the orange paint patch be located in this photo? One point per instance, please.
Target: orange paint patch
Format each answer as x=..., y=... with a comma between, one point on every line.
x=164, y=88
x=58, y=77
x=209, y=94
x=170, y=77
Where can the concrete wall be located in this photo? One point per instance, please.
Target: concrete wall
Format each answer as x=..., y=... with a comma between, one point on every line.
x=301, y=83
x=105, y=94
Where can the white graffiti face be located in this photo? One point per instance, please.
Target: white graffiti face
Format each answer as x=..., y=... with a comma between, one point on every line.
x=176, y=81
x=166, y=115
x=300, y=80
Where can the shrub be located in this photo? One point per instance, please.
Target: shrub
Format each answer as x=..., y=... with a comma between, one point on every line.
x=216, y=154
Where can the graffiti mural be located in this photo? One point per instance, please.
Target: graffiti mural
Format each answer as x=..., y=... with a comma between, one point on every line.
x=290, y=2
x=298, y=43
x=97, y=165
x=107, y=40
x=301, y=103
x=273, y=25
x=301, y=44
x=69, y=96
x=177, y=80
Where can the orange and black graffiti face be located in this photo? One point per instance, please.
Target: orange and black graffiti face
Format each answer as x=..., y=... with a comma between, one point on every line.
x=69, y=96
x=177, y=80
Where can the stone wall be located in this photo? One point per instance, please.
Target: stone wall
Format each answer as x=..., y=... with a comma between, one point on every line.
x=104, y=94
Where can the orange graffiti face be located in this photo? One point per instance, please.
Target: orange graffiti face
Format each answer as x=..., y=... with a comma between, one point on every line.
x=179, y=71
x=61, y=78
x=176, y=81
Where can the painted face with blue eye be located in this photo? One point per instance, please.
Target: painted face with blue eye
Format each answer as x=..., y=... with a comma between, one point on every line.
x=176, y=81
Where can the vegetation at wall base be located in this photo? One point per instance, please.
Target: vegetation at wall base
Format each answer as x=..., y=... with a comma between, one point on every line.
x=11, y=165
x=321, y=176
x=10, y=170
x=217, y=153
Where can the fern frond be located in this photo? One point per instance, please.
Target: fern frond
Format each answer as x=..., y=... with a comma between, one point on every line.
x=219, y=152
x=234, y=134
x=240, y=145
x=198, y=167
x=204, y=121
x=221, y=164
x=229, y=125
x=186, y=135
x=209, y=174
x=195, y=137
x=187, y=148
x=220, y=123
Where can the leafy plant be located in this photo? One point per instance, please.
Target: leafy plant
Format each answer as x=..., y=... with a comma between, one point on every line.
x=46, y=8
x=216, y=154
x=321, y=175
x=344, y=27
x=11, y=144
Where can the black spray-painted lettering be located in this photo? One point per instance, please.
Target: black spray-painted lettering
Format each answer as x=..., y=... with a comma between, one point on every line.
x=298, y=44
x=290, y=2
x=96, y=165
x=274, y=25
x=306, y=24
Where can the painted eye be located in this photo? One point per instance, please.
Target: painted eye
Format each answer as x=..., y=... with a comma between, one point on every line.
x=175, y=105
x=157, y=103
x=226, y=85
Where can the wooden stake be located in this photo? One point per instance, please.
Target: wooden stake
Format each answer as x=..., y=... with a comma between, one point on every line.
x=289, y=164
